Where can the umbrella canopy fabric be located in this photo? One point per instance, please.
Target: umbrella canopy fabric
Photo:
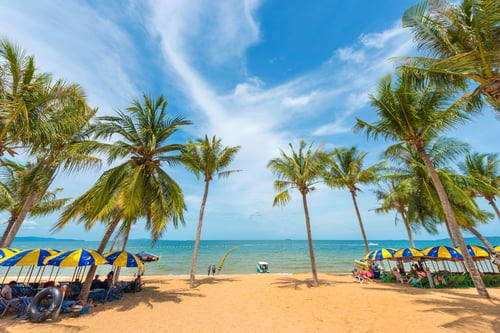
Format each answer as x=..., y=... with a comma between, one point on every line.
x=380, y=254
x=7, y=252
x=408, y=253
x=497, y=248
x=76, y=258
x=123, y=259
x=476, y=251
x=443, y=252
x=33, y=257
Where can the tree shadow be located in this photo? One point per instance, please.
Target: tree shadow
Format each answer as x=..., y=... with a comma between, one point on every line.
x=290, y=282
x=473, y=311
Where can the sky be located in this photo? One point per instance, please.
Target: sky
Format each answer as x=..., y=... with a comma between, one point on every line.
x=256, y=73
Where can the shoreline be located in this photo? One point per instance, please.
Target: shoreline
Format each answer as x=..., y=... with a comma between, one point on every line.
x=281, y=303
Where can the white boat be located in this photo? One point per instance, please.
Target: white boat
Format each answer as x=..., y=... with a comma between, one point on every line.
x=262, y=267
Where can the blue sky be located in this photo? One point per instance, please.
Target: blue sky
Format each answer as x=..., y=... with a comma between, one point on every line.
x=259, y=74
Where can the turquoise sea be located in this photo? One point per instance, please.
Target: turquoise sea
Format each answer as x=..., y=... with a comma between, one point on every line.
x=283, y=256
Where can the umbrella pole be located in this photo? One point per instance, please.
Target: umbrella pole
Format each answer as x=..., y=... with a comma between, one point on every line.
x=6, y=273
x=55, y=277
x=18, y=275
x=51, y=271
x=41, y=274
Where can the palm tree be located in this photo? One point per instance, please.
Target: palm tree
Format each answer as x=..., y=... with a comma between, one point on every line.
x=139, y=186
x=461, y=41
x=396, y=198
x=300, y=170
x=413, y=114
x=346, y=172
x=19, y=185
x=206, y=158
x=484, y=167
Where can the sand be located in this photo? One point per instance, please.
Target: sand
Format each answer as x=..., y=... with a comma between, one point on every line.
x=281, y=303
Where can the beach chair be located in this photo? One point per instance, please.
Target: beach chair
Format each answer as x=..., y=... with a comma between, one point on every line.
x=399, y=278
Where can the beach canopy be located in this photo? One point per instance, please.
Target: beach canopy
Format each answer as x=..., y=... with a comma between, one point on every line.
x=408, y=253
x=381, y=254
x=497, y=248
x=476, y=251
x=76, y=258
x=33, y=257
x=123, y=259
x=7, y=252
x=443, y=253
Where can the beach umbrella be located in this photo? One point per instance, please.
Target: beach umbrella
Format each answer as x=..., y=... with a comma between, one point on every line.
x=497, y=248
x=381, y=254
x=476, y=251
x=7, y=252
x=76, y=258
x=34, y=257
x=123, y=259
x=408, y=253
x=443, y=253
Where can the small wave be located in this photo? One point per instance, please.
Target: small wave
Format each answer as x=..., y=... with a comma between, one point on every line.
x=374, y=244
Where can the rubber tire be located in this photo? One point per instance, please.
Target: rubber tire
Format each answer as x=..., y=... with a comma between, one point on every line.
x=37, y=316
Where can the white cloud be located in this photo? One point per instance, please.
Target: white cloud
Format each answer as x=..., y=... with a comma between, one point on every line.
x=348, y=54
x=380, y=39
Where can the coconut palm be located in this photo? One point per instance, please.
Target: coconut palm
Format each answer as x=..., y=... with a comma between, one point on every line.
x=301, y=170
x=139, y=186
x=484, y=167
x=345, y=171
x=20, y=185
x=461, y=41
x=413, y=114
x=206, y=158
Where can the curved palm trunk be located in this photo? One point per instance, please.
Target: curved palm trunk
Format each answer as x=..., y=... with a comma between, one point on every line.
x=6, y=232
x=31, y=201
x=309, y=240
x=124, y=247
x=494, y=254
x=353, y=195
x=408, y=229
x=495, y=208
x=450, y=219
x=198, y=236
x=84, y=293
x=450, y=234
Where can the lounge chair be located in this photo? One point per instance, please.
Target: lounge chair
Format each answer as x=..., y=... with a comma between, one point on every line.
x=399, y=278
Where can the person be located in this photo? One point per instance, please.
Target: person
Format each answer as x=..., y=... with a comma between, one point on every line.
x=420, y=266
x=6, y=292
x=416, y=279
x=214, y=269
x=209, y=269
x=96, y=283
x=110, y=279
x=358, y=275
x=401, y=267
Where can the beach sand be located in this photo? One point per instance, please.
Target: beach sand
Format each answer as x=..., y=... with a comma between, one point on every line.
x=281, y=303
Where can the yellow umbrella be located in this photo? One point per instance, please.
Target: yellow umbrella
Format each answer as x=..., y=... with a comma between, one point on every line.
x=123, y=259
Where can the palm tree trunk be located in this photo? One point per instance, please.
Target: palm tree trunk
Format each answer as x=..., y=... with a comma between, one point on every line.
x=6, y=232
x=124, y=247
x=495, y=208
x=488, y=245
x=408, y=230
x=450, y=234
x=84, y=293
x=309, y=240
x=31, y=201
x=450, y=219
x=353, y=195
x=198, y=236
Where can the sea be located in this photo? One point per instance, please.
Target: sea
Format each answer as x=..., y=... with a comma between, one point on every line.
x=283, y=256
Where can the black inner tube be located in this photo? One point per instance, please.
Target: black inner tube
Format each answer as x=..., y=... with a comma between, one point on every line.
x=36, y=314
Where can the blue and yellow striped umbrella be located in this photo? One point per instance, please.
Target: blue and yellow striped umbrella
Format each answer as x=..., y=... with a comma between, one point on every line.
x=7, y=252
x=76, y=258
x=380, y=254
x=476, y=251
x=33, y=257
x=408, y=253
x=497, y=248
x=443, y=253
x=123, y=259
